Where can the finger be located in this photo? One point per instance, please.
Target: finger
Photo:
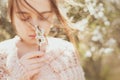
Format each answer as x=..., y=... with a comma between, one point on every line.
x=35, y=60
x=46, y=58
x=43, y=59
x=35, y=66
x=32, y=55
x=34, y=72
x=32, y=63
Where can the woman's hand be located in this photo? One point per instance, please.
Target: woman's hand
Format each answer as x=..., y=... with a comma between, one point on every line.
x=27, y=66
x=32, y=62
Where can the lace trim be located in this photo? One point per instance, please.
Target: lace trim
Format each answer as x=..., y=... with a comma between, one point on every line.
x=3, y=69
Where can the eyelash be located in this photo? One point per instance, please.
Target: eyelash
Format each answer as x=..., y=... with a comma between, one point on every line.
x=28, y=18
x=25, y=19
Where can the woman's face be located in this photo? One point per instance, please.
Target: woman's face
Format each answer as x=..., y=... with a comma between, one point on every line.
x=25, y=19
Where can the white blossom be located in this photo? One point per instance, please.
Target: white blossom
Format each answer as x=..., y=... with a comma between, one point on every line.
x=88, y=54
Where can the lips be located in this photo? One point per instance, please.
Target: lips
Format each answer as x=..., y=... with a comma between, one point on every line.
x=33, y=36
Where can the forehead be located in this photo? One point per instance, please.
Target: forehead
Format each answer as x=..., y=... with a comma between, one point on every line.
x=39, y=5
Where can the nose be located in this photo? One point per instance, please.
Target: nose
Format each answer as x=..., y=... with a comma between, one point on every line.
x=35, y=22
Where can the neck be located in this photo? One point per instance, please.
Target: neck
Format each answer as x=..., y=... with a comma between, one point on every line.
x=35, y=46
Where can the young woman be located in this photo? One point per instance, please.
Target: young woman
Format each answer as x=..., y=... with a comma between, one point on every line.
x=31, y=55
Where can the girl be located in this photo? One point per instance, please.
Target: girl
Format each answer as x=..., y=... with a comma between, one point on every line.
x=31, y=55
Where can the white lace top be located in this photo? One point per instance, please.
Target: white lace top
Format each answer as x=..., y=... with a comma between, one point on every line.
x=62, y=65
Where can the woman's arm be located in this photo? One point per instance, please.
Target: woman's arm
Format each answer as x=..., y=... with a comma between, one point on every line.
x=73, y=67
x=5, y=72
x=74, y=62
x=3, y=69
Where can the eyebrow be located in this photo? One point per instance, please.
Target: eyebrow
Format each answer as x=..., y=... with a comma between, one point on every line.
x=45, y=12
x=24, y=12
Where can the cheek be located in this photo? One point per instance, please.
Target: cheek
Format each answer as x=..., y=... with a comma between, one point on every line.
x=19, y=26
x=46, y=26
x=47, y=29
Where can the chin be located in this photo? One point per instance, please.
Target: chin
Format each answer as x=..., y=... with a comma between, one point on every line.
x=32, y=42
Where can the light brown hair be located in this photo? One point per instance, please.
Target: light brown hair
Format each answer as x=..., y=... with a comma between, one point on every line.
x=54, y=7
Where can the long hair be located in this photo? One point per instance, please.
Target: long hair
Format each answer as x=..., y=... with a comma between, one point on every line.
x=55, y=8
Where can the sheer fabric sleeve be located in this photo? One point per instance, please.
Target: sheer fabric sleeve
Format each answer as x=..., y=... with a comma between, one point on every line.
x=66, y=65
x=74, y=66
x=60, y=63
x=71, y=68
x=3, y=69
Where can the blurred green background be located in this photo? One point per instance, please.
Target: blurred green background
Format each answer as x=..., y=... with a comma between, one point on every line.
x=97, y=33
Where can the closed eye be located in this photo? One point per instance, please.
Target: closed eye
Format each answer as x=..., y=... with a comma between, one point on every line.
x=23, y=16
x=47, y=15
